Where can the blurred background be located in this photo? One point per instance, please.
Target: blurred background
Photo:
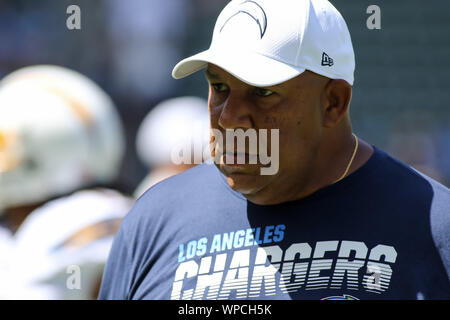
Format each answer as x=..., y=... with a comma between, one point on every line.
x=130, y=47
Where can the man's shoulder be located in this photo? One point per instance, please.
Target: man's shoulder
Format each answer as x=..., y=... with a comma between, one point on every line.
x=418, y=190
x=192, y=181
x=404, y=178
x=410, y=193
x=440, y=219
x=188, y=193
x=440, y=191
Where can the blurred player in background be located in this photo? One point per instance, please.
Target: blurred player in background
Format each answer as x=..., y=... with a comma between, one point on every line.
x=173, y=125
x=59, y=133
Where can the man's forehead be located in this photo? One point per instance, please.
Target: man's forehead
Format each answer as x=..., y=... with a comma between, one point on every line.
x=215, y=72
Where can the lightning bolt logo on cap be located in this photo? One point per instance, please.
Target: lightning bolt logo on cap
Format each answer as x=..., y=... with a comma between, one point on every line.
x=253, y=10
x=343, y=297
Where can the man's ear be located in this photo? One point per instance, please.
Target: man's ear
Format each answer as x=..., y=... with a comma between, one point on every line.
x=338, y=94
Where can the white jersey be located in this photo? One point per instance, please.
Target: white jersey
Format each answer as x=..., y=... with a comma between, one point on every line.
x=60, y=250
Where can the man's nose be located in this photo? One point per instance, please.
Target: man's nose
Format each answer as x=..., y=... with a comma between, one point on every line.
x=236, y=113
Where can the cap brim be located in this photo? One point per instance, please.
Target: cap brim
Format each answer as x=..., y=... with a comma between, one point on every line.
x=251, y=68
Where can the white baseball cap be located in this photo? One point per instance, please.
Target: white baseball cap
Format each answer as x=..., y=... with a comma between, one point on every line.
x=267, y=42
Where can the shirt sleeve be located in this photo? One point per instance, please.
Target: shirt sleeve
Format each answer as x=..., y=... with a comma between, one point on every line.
x=116, y=277
x=440, y=222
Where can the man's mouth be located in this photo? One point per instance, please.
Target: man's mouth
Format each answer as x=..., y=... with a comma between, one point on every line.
x=239, y=158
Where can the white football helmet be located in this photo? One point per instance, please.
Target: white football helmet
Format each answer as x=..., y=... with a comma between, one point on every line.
x=59, y=131
x=175, y=124
x=182, y=121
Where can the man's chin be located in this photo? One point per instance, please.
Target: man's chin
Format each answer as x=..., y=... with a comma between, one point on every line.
x=245, y=180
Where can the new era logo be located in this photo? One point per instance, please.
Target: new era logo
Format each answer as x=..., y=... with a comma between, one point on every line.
x=326, y=60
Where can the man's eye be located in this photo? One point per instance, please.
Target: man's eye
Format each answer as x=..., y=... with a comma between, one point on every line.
x=219, y=87
x=263, y=92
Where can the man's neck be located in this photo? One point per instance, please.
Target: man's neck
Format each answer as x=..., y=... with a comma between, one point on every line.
x=334, y=156
x=332, y=161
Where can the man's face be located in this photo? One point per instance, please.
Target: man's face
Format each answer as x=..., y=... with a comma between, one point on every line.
x=293, y=107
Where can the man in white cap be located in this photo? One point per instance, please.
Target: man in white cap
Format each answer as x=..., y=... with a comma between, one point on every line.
x=338, y=219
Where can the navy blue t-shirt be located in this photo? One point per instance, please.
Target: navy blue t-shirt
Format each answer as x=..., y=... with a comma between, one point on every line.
x=383, y=232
